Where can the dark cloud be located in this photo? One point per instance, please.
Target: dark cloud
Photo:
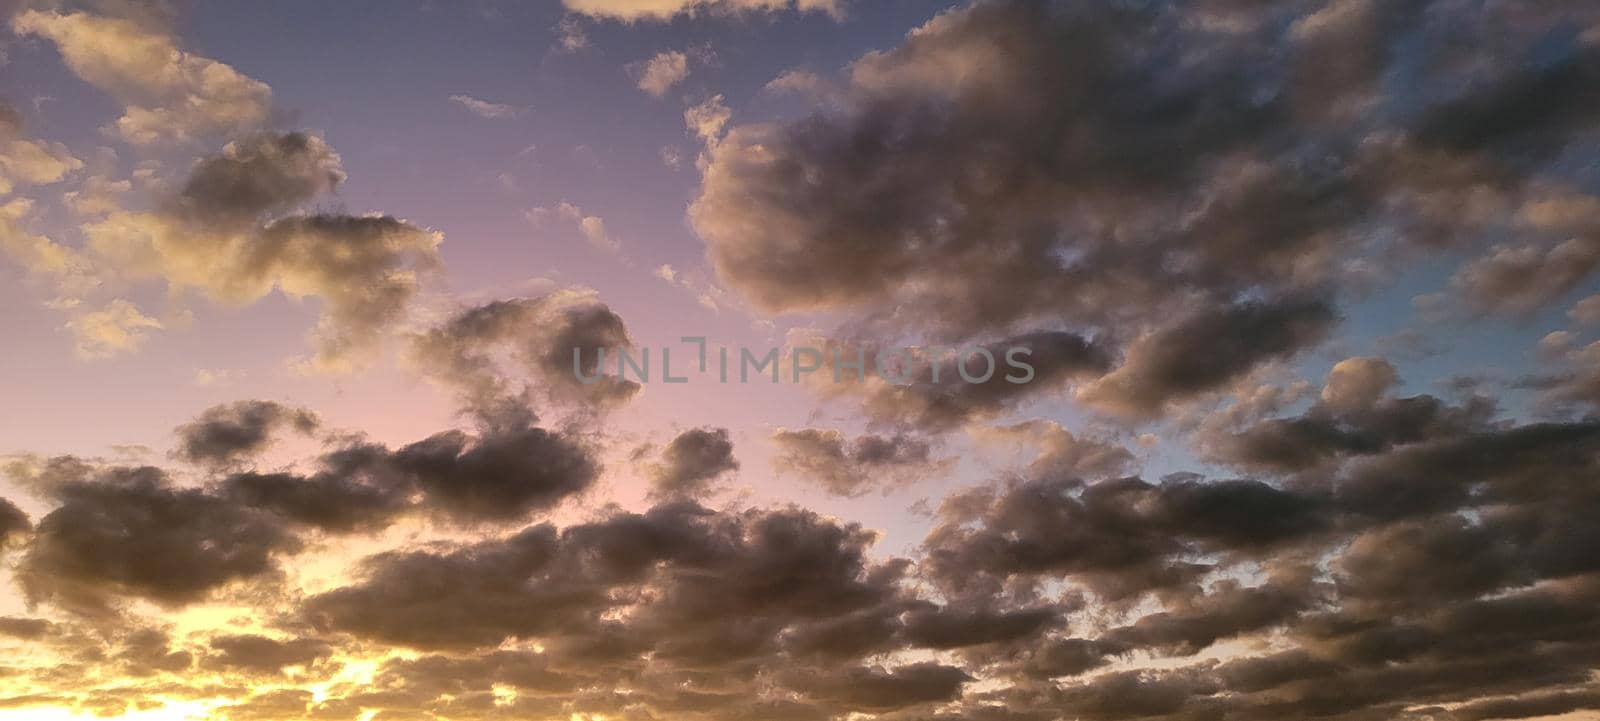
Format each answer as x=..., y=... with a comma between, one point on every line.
x=503, y=473
x=14, y=524
x=935, y=396
x=947, y=628
x=1179, y=194
x=1452, y=565
x=1355, y=416
x=540, y=335
x=1118, y=537
x=226, y=434
x=260, y=654
x=260, y=174
x=716, y=584
x=1518, y=113
x=1018, y=165
x=856, y=466
x=129, y=531
x=1207, y=350
x=876, y=690
x=692, y=462
x=358, y=488
x=24, y=628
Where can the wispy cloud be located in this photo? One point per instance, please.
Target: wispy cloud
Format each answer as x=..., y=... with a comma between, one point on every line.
x=658, y=74
x=486, y=109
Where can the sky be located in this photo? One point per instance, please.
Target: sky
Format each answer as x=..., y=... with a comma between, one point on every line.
x=313, y=402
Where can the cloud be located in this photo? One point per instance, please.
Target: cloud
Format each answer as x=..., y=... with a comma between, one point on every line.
x=941, y=400
x=708, y=118
x=1012, y=167
x=14, y=524
x=662, y=10
x=691, y=463
x=853, y=467
x=1206, y=350
x=1058, y=452
x=29, y=162
x=540, y=336
x=130, y=532
x=229, y=231
x=593, y=227
x=660, y=73
x=1421, y=557
x=227, y=434
x=32, y=162
x=356, y=488
x=261, y=654
x=501, y=474
x=1355, y=415
x=486, y=109
x=118, y=328
x=1586, y=312
x=714, y=577
x=169, y=95
x=570, y=35
x=1165, y=203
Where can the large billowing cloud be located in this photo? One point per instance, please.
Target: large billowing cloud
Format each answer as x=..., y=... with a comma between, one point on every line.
x=1144, y=173
x=1446, y=558
x=1158, y=201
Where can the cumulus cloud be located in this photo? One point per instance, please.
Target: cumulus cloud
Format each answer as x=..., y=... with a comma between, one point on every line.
x=1160, y=201
x=503, y=473
x=1355, y=415
x=546, y=341
x=1205, y=351
x=1421, y=556
x=691, y=463
x=228, y=231
x=720, y=582
x=1524, y=278
x=131, y=532
x=226, y=434
x=1014, y=166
